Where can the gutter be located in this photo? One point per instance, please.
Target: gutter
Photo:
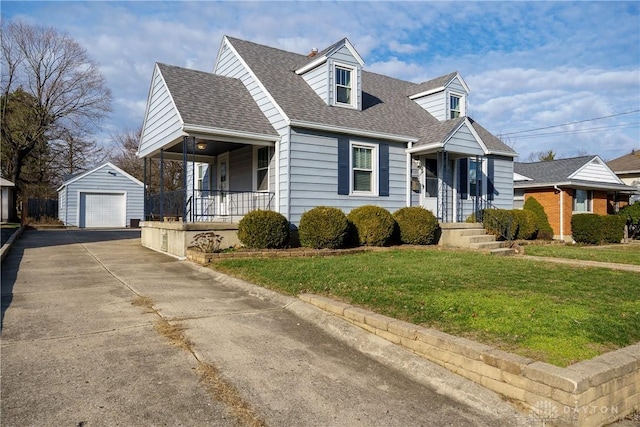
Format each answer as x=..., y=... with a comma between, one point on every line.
x=560, y=192
x=352, y=131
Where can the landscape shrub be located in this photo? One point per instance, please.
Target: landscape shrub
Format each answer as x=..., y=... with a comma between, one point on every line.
x=417, y=226
x=612, y=228
x=372, y=225
x=323, y=227
x=544, y=230
x=586, y=228
x=631, y=213
x=262, y=229
x=527, y=224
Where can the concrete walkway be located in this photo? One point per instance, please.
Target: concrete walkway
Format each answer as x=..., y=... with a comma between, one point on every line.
x=586, y=263
x=87, y=323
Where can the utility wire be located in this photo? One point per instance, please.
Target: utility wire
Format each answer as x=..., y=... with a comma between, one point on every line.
x=578, y=131
x=571, y=123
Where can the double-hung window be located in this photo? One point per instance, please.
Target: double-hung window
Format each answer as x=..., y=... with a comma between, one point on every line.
x=454, y=106
x=262, y=169
x=582, y=201
x=363, y=169
x=200, y=177
x=344, y=85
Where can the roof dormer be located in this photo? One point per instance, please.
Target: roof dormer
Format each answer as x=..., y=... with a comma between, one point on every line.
x=335, y=74
x=445, y=97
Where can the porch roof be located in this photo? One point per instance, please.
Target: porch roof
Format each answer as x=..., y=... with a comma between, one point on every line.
x=206, y=106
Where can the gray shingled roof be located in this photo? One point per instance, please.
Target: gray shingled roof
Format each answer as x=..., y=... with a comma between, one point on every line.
x=431, y=84
x=627, y=163
x=386, y=107
x=552, y=171
x=324, y=51
x=206, y=99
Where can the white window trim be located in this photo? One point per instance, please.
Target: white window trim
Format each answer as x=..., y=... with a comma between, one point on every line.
x=254, y=169
x=199, y=174
x=354, y=85
x=374, y=167
x=463, y=104
x=589, y=202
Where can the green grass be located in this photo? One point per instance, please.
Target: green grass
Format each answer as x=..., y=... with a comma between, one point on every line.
x=10, y=225
x=624, y=254
x=553, y=313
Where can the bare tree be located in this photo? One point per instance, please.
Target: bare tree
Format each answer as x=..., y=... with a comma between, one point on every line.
x=125, y=156
x=541, y=156
x=51, y=89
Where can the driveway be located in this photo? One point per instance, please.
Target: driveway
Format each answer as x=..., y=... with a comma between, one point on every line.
x=97, y=330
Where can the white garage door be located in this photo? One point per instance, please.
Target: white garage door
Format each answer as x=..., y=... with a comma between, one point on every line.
x=99, y=210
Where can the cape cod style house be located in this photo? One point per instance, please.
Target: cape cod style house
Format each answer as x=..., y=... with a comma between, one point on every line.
x=270, y=129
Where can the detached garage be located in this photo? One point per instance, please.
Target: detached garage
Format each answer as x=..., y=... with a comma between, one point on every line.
x=105, y=197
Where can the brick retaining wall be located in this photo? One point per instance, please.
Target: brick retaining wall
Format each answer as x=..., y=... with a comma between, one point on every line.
x=589, y=393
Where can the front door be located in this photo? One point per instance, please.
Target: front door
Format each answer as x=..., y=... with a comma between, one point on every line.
x=223, y=183
x=430, y=194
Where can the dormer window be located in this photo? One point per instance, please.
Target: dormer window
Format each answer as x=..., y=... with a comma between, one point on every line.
x=454, y=106
x=344, y=86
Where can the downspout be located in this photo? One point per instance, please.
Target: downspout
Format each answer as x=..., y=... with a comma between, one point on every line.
x=555, y=187
x=409, y=168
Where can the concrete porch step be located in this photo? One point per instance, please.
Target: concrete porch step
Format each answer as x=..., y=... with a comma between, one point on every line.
x=480, y=238
x=486, y=246
x=503, y=252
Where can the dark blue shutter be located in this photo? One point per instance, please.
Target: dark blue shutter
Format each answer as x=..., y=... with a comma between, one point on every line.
x=490, y=171
x=343, y=166
x=383, y=184
x=463, y=185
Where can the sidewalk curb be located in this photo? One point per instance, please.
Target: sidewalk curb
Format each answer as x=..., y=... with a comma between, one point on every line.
x=5, y=248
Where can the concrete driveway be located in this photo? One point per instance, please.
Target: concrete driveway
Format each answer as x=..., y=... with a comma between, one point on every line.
x=99, y=331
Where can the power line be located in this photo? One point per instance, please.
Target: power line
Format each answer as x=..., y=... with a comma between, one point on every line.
x=578, y=131
x=571, y=123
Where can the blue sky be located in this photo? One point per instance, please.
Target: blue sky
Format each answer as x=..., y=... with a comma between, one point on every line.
x=529, y=65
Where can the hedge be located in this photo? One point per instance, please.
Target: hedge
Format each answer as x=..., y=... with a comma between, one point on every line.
x=262, y=229
x=371, y=225
x=323, y=228
x=416, y=225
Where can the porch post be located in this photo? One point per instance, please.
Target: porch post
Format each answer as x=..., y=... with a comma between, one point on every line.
x=409, y=173
x=479, y=183
x=185, y=146
x=144, y=186
x=162, y=183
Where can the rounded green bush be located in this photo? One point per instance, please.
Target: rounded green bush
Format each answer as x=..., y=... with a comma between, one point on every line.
x=417, y=225
x=323, y=227
x=586, y=228
x=373, y=225
x=262, y=229
x=544, y=230
x=612, y=228
x=527, y=224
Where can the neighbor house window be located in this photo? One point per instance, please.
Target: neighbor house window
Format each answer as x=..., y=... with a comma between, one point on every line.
x=582, y=201
x=344, y=86
x=262, y=169
x=454, y=106
x=363, y=168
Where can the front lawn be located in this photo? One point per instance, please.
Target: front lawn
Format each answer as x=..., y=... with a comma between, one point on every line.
x=550, y=312
x=621, y=253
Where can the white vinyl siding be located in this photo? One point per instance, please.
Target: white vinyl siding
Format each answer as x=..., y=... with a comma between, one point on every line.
x=318, y=79
x=162, y=122
x=435, y=104
x=597, y=172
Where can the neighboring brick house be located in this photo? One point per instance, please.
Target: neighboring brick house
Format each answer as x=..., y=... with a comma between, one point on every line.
x=627, y=168
x=568, y=186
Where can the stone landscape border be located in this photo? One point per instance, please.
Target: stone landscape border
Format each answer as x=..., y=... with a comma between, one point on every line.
x=590, y=393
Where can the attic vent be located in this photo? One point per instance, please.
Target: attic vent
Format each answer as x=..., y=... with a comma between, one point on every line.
x=314, y=52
